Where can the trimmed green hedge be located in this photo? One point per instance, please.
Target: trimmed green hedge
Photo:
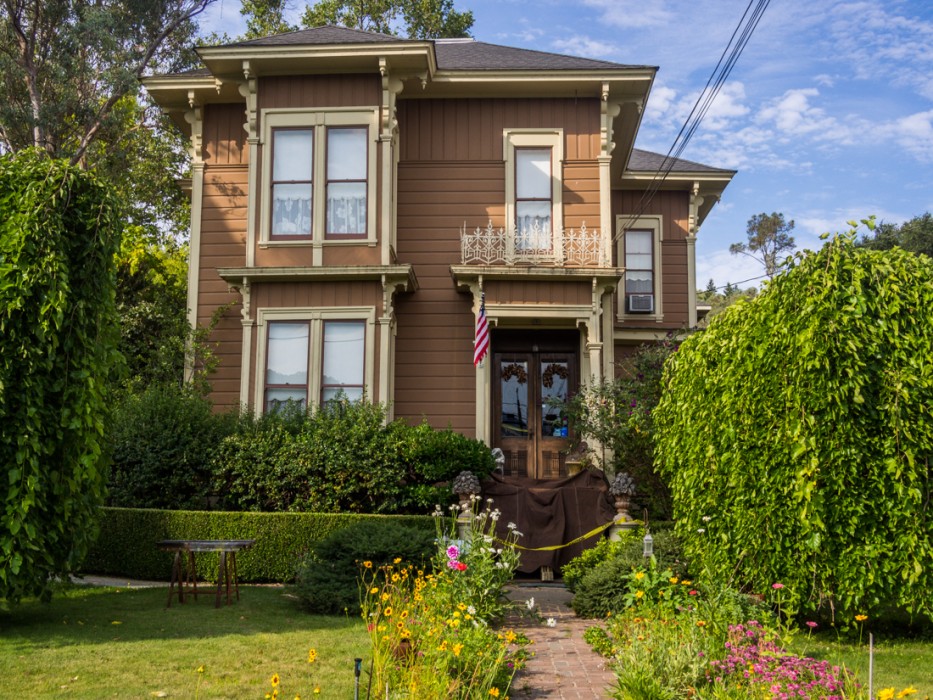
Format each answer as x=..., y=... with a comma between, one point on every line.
x=128, y=536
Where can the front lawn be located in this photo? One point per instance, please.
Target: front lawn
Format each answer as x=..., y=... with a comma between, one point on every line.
x=112, y=642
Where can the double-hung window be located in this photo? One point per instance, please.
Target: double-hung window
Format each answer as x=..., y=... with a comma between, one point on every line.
x=533, y=186
x=313, y=356
x=639, y=254
x=319, y=169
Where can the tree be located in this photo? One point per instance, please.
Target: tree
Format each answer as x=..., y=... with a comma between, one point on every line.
x=66, y=64
x=424, y=19
x=768, y=237
x=915, y=236
x=797, y=436
x=58, y=238
x=265, y=18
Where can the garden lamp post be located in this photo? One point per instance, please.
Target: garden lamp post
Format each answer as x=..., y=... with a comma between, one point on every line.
x=648, y=544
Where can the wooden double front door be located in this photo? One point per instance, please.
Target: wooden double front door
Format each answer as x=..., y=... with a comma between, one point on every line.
x=529, y=383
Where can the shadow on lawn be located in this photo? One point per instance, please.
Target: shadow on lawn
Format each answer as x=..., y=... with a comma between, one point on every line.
x=82, y=615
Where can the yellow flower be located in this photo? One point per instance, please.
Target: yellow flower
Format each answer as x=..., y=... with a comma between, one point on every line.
x=457, y=648
x=373, y=590
x=639, y=576
x=387, y=612
x=510, y=636
x=674, y=579
x=394, y=578
x=494, y=692
x=312, y=656
x=385, y=597
x=317, y=690
x=397, y=560
x=275, y=679
x=639, y=594
x=909, y=690
x=685, y=582
x=886, y=694
x=701, y=623
x=200, y=669
x=368, y=564
x=861, y=618
x=461, y=607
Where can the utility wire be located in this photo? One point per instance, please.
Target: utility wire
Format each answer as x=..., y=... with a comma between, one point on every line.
x=730, y=55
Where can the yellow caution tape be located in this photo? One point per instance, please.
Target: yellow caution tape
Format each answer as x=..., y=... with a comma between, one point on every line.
x=594, y=531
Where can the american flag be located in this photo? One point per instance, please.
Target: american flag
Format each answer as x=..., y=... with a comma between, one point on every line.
x=481, y=341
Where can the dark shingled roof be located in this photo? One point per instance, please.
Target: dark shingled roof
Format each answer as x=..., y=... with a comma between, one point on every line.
x=454, y=54
x=320, y=35
x=653, y=162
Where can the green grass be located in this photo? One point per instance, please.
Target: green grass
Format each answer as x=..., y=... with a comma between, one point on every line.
x=123, y=643
x=899, y=663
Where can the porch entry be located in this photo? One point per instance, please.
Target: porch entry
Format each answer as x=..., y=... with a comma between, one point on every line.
x=531, y=371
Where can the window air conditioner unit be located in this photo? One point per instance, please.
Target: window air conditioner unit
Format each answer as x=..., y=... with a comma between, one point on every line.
x=641, y=303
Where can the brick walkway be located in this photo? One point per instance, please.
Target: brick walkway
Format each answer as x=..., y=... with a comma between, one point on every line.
x=563, y=665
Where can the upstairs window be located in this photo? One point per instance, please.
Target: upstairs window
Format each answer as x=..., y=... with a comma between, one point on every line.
x=346, y=182
x=640, y=253
x=533, y=198
x=292, y=182
x=319, y=175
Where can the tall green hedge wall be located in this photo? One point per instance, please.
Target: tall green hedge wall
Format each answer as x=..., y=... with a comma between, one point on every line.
x=128, y=537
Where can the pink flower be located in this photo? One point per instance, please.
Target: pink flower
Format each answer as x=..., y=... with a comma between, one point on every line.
x=453, y=564
x=812, y=625
x=777, y=586
x=453, y=552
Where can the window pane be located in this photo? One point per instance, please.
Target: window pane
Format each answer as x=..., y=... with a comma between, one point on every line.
x=514, y=392
x=344, y=353
x=533, y=173
x=346, y=207
x=277, y=398
x=639, y=282
x=291, y=210
x=353, y=393
x=533, y=222
x=346, y=154
x=292, y=154
x=555, y=377
x=637, y=262
x=287, y=357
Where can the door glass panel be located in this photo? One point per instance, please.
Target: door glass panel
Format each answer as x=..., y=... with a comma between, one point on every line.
x=555, y=379
x=513, y=379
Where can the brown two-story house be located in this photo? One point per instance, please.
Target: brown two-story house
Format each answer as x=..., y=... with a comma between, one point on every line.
x=357, y=195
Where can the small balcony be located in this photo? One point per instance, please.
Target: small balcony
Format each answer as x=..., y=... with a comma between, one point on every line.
x=538, y=247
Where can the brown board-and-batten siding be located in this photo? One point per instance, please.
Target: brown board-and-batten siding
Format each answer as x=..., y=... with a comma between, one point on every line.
x=223, y=242
x=674, y=208
x=451, y=174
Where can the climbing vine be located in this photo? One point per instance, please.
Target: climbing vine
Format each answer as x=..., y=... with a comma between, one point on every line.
x=58, y=235
x=797, y=434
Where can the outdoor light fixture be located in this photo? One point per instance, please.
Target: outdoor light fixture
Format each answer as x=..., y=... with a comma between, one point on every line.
x=648, y=545
x=357, y=668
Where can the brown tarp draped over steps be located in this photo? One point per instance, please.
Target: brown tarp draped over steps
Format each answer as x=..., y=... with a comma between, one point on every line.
x=551, y=512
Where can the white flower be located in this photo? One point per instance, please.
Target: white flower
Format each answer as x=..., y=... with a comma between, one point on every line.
x=495, y=515
x=471, y=610
x=517, y=533
x=530, y=603
x=551, y=622
x=489, y=501
x=512, y=526
x=701, y=530
x=706, y=518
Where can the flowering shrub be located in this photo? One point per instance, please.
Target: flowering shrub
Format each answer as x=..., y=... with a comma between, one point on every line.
x=430, y=630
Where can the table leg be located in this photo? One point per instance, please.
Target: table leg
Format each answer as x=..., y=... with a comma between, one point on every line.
x=236, y=582
x=221, y=573
x=176, y=578
x=192, y=575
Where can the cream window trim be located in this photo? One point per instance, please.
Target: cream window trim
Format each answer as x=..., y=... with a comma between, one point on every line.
x=319, y=120
x=535, y=138
x=315, y=316
x=655, y=224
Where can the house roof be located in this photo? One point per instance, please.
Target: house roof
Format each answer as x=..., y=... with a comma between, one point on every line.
x=452, y=54
x=646, y=161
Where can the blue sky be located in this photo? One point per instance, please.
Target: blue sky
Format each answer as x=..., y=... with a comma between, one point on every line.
x=827, y=116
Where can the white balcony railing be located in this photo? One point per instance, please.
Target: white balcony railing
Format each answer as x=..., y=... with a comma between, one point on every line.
x=583, y=247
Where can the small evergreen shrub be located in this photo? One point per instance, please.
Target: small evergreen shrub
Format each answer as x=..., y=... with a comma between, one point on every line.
x=162, y=441
x=327, y=578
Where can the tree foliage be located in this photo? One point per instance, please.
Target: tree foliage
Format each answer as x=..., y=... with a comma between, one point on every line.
x=915, y=236
x=618, y=415
x=768, y=237
x=797, y=434
x=423, y=19
x=58, y=237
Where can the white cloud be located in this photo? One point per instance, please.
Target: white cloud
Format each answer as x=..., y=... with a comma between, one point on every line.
x=722, y=267
x=660, y=103
x=582, y=45
x=793, y=114
x=914, y=134
x=631, y=14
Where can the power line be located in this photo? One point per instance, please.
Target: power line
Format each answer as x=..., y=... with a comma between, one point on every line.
x=730, y=55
